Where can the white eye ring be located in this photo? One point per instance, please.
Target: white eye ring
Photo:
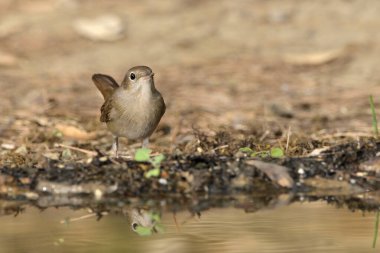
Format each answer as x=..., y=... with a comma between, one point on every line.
x=132, y=76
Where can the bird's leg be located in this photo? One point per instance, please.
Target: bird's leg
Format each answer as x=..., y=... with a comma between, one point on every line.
x=145, y=143
x=115, y=146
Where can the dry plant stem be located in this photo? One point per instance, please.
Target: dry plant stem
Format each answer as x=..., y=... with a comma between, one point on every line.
x=135, y=145
x=83, y=217
x=221, y=147
x=85, y=151
x=266, y=133
x=288, y=139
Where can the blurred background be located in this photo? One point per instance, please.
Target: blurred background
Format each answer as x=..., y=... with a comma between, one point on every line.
x=243, y=66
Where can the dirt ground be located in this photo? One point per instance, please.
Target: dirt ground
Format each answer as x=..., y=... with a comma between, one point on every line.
x=233, y=74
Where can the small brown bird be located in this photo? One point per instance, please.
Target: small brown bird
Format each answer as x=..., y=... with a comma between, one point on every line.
x=134, y=108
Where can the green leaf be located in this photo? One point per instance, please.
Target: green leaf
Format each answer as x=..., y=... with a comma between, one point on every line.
x=155, y=217
x=276, y=152
x=261, y=154
x=153, y=173
x=143, y=231
x=142, y=154
x=157, y=160
x=246, y=150
x=254, y=154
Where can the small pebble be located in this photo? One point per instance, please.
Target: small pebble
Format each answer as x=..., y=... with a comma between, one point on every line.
x=31, y=195
x=8, y=146
x=103, y=28
x=361, y=174
x=103, y=158
x=22, y=150
x=10, y=25
x=52, y=156
x=163, y=181
x=8, y=60
x=98, y=194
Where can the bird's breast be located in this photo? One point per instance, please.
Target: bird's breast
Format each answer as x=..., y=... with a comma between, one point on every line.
x=136, y=117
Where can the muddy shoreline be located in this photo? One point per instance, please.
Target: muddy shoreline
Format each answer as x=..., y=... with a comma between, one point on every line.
x=342, y=169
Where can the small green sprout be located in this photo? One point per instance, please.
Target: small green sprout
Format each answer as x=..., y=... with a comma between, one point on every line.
x=155, y=172
x=262, y=154
x=157, y=160
x=157, y=227
x=143, y=231
x=274, y=152
x=246, y=150
x=143, y=155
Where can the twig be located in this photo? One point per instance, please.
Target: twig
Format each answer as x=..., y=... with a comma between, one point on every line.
x=265, y=134
x=221, y=147
x=79, y=218
x=288, y=139
x=85, y=151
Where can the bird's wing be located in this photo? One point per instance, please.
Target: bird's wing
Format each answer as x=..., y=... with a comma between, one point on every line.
x=105, y=84
x=105, y=110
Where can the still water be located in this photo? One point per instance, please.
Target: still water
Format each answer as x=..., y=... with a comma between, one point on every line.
x=298, y=227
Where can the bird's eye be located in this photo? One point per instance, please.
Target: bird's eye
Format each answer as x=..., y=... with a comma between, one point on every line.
x=132, y=76
x=134, y=226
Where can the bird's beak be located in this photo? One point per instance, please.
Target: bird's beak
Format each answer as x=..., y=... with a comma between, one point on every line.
x=149, y=77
